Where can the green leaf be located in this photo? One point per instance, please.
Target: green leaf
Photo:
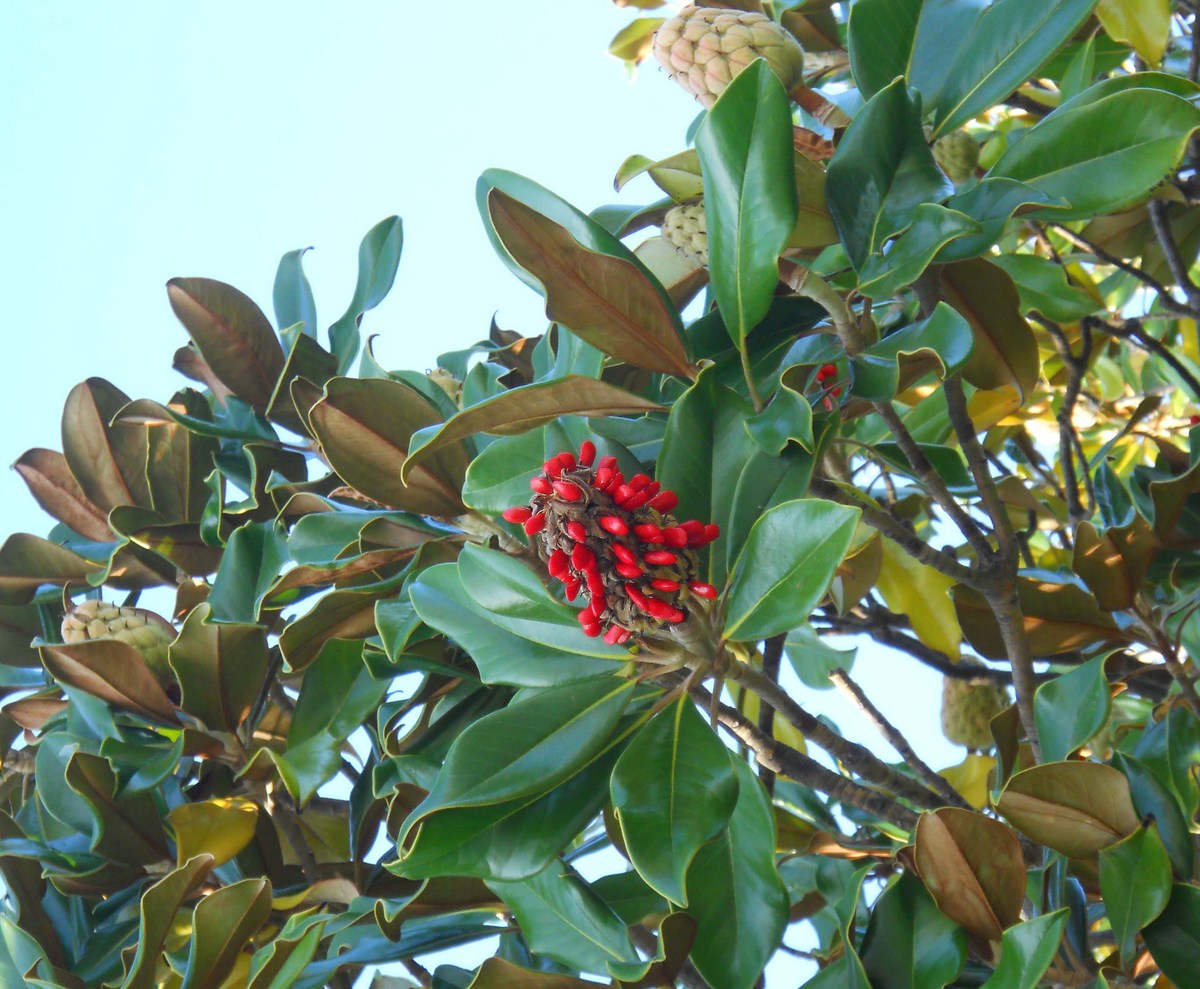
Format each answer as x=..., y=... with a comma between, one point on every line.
x=750, y=207
x=909, y=944
x=1145, y=25
x=378, y=261
x=1071, y=708
x=520, y=409
x=158, y=907
x=27, y=562
x=932, y=228
x=279, y=964
x=945, y=338
x=880, y=37
x=608, y=299
x=1102, y=155
x=125, y=829
x=292, y=295
x=673, y=790
x=221, y=925
x=220, y=668
x=1027, y=950
x=1135, y=881
x=736, y=895
x=338, y=693
x=786, y=566
x=250, y=565
x=991, y=203
x=787, y=418
x=1043, y=285
x=499, y=477
x=1151, y=798
x=562, y=918
x=1174, y=938
x=882, y=171
x=367, y=427
x=233, y=336
x=512, y=653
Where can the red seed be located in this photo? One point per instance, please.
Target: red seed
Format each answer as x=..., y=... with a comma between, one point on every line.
x=637, y=597
x=662, y=584
x=573, y=586
x=610, y=523
x=541, y=485
x=693, y=528
x=535, y=523
x=638, y=481
x=567, y=459
x=652, y=489
x=552, y=467
x=568, y=490
x=622, y=494
x=610, y=462
x=664, y=501
x=557, y=564
x=827, y=371
x=659, y=609
x=711, y=532
x=585, y=617
x=648, y=533
x=636, y=501
x=623, y=553
x=630, y=570
x=587, y=453
x=625, y=636
x=517, y=514
x=702, y=590
x=677, y=616
x=675, y=536
x=576, y=531
x=591, y=631
x=582, y=558
x=660, y=558
x=604, y=477
x=613, y=634
x=595, y=583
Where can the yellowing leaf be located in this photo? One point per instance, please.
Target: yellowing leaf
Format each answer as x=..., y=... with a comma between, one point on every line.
x=1144, y=25
x=920, y=592
x=970, y=778
x=220, y=828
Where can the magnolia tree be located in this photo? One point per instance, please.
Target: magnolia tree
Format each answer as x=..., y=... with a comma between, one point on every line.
x=905, y=348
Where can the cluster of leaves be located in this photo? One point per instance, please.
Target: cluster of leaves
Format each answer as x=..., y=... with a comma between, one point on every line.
x=380, y=731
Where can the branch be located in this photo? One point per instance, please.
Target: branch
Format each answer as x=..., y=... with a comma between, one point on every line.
x=772, y=657
x=1170, y=247
x=1069, y=445
x=1131, y=329
x=896, y=740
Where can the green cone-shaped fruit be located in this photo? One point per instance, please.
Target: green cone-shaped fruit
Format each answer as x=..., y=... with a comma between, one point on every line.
x=968, y=707
x=148, y=633
x=958, y=154
x=683, y=227
x=703, y=48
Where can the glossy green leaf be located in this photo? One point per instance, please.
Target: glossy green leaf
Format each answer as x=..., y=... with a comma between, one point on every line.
x=1174, y=938
x=991, y=203
x=932, y=228
x=125, y=828
x=496, y=973
x=945, y=338
x=159, y=905
x=253, y=558
x=785, y=567
x=1151, y=798
x=909, y=943
x=673, y=791
x=378, y=261
x=220, y=668
x=368, y=429
x=233, y=336
x=606, y=298
x=787, y=418
x=222, y=924
x=1071, y=708
x=1043, y=285
x=499, y=477
x=524, y=408
x=113, y=671
x=1026, y=951
x=736, y=895
x=281, y=963
x=347, y=615
x=1135, y=881
x=27, y=562
x=563, y=918
x=292, y=296
x=881, y=34
x=1102, y=155
x=882, y=171
x=745, y=149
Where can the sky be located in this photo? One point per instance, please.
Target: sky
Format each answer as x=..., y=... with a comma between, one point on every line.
x=148, y=140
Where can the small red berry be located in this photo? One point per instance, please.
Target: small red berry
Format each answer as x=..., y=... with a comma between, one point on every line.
x=517, y=514
x=660, y=558
x=648, y=533
x=557, y=564
x=638, y=481
x=676, y=616
x=664, y=501
x=610, y=523
x=636, y=501
x=567, y=459
x=595, y=583
x=693, y=528
x=702, y=590
x=582, y=558
x=613, y=633
x=623, y=553
x=535, y=523
x=675, y=536
x=585, y=617
x=652, y=489
x=625, y=636
x=568, y=490
x=623, y=493
x=1194, y=420
x=637, y=597
x=659, y=609
x=629, y=570
x=591, y=631
x=711, y=532
x=576, y=531
x=604, y=477
x=587, y=453
x=662, y=584
x=552, y=467
x=541, y=485
x=573, y=586
x=610, y=462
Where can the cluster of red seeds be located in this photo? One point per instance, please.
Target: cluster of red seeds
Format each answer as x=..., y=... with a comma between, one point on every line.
x=614, y=541
x=825, y=374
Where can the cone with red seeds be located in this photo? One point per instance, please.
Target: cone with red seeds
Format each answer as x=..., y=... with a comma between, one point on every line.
x=613, y=543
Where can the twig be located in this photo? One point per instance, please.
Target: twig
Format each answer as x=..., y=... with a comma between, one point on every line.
x=1131, y=329
x=896, y=740
x=1170, y=248
x=418, y=971
x=772, y=656
x=1069, y=445
x=857, y=758
x=285, y=816
x=806, y=282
